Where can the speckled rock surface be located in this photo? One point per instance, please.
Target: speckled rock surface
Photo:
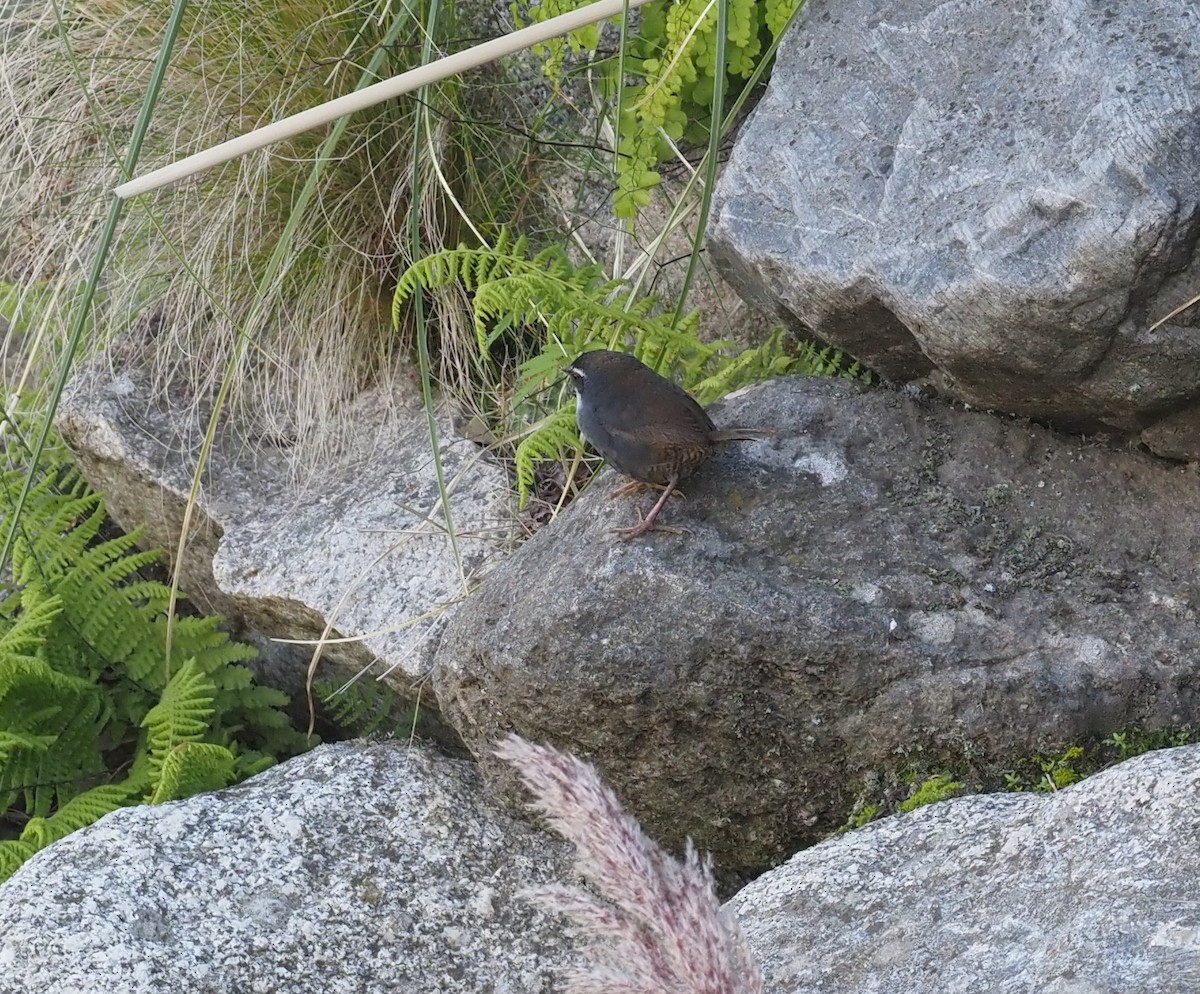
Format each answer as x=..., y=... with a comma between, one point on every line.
x=1092, y=890
x=359, y=546
x=999, y=199
x=887, y=577
x=353, y=869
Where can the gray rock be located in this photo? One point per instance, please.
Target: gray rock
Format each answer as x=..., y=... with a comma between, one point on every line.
x=354, y=868
x=1088, y=891
x=999, y=202
x=360, y=546
x=888, y=577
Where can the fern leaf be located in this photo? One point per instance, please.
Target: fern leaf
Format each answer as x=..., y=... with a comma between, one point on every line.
x=815, y=360
x=30, y=627
x=550, y=439
x=13, y=853
x=249, y=764
x=743, y=369
x=181, y=715
x=469, y=266
x=536, y=373
x=82, y=667
x=578, y=308
x=77, y=813
x=203, y=640
x=11, y=740
x=51, y=725
x=192, y=767
x=55, y=528
x=365, y=707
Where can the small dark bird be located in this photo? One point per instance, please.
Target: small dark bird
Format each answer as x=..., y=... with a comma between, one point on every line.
x=646, y=426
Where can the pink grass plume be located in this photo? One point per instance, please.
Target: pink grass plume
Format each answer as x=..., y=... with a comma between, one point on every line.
x=654, y=924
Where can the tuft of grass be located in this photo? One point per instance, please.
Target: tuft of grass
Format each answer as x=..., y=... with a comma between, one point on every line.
x=884, y=794
x=937, y=787
x=1134, y=742
x=180, y=285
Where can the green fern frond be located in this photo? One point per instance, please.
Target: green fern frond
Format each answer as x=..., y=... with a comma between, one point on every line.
x=203, y=639
x=181, y=715
x=249, y=763
x=58, y=549
x=77, y=813
x=750, y=366
x=189, y=768
x=544, y=368
x=510, y=288
x=549, y=440
x=51, y=723
x=572, y=311
x=577, y=309
x=365, y=707
x=83, y=674
x=11, y=741
x=27, y=618
x=51, y=512
x=259, y=709
x=13, y=853
x=470, y=267
x=554, y=50
x=667, y=77
x=777, y=14
x=816, y=360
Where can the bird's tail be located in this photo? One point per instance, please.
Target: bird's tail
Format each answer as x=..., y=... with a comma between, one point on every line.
x=742, y=434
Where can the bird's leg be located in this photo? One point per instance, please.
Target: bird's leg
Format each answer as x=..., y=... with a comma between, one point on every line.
x=648, y=522
x=633, y=486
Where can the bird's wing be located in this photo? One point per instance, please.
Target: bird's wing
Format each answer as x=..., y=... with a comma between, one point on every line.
x=654, y=451
x=659, y=402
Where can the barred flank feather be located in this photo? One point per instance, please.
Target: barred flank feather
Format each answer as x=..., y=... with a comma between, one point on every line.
x=657, y=926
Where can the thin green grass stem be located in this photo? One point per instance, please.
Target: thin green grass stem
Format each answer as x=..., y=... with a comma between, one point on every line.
x=422, y=329
x=83, y=307
x=271, y=273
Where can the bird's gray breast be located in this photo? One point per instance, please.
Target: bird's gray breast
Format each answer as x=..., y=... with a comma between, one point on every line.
x=627, y=455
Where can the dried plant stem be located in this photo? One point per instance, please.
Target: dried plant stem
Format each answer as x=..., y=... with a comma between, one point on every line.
x=406, y=82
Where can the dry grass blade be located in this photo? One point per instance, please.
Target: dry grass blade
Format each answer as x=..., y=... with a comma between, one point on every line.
x=1178, y=310
x=181, y=283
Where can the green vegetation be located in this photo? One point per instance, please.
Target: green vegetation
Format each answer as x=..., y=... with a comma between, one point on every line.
x=1054, y=772
x=260, y=292
x=1042, y=773
x=93, y=716
x=544, y=310
x=938, y=787
x=1125, y=745
x=367, y=708
x=272, y=274
x=1048, y=772
x=863, y=814
x=261, y=288
x=662, y=83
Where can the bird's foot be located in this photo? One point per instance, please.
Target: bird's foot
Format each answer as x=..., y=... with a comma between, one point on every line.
x=641, y=529
x=635, y=485
x=646, y=524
